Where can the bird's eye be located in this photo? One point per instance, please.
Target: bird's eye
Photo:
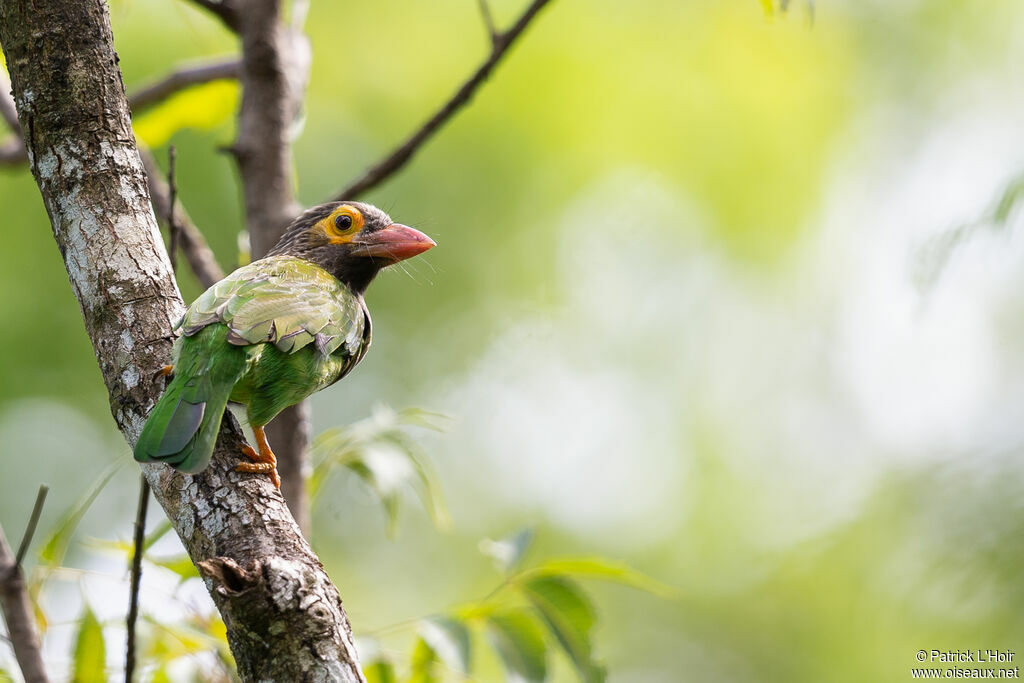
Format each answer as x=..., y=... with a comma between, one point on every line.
x=343, y=222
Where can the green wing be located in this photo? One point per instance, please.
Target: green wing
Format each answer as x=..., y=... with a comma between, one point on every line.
x=285, y=301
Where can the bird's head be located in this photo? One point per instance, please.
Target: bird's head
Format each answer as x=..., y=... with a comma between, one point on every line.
x=351, y=240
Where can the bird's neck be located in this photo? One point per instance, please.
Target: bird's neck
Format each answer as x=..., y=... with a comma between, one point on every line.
x=356, y=274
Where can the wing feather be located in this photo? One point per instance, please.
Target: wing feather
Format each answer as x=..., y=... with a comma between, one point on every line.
x=285, y=301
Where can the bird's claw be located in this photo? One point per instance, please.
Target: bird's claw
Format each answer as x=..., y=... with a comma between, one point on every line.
x=165, y=371
x=268, y=468
x=263, y=461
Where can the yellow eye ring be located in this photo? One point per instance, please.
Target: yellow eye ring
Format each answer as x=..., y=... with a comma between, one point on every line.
x=345, y=221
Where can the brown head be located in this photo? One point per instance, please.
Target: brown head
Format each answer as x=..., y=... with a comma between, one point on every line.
x=351, y=240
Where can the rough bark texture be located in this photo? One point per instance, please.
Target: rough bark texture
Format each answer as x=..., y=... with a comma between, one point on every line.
x=284, y=617
x=274, y=73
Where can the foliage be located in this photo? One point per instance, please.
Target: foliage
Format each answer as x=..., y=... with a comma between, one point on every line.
x=532, y=613
x=90, y=656
x=381, y=453
x=201, y=107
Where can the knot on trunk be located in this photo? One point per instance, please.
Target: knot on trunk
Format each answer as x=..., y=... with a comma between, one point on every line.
x=229, y=577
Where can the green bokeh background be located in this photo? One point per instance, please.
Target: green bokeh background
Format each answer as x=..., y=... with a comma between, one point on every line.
x=673, y=314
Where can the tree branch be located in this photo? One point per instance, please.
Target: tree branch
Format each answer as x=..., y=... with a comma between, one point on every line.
x=284, y=618
x=180, y=79
x=191, y=241
x=485, y=14
x=275, y=70
x=136, y=578
x=14, y=600
x=405, y=151
x=30, y=528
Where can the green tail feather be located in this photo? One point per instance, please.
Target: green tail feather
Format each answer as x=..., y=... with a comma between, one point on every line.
x=182, y=429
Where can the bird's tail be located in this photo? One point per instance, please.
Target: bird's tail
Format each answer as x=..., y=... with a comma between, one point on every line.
x=182, y=428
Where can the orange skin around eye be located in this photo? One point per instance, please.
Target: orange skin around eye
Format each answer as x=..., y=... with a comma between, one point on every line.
x=337, y=235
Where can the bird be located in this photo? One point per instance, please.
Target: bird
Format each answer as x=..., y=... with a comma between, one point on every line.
x=274, y=332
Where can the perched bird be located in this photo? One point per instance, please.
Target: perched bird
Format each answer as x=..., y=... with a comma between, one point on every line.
x=274, y=332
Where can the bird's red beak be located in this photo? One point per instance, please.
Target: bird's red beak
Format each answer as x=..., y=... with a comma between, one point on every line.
x=394, y=243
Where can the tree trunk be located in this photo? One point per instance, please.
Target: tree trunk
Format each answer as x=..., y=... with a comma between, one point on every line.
x=284, y=617
x=274, y=72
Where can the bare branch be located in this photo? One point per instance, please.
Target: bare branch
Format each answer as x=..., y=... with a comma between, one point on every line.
x=17, y=607
x=404, y=152
x=136, y=577
x=197, y=252
x=180, y=79
x=485, y=14
x=225, y=10
x=275, y=70
x=30, y=528
x=173, y=227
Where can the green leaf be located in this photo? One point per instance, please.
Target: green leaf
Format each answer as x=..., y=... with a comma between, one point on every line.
x=602, y=569
x=519, y=640
x=90, y=651
x=423, y=668
x=449, y=639
x=203, y=107
x=380, y=452
x=1012, y=194
x=379, y=671
x=167, y=642
x=179, y=564
x=569, y=616
x=508, y=552
x=56, y=545
x=5, y=677
x=156, y=534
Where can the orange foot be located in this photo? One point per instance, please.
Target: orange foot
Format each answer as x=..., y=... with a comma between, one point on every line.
x=165, y=371
x=263, y=462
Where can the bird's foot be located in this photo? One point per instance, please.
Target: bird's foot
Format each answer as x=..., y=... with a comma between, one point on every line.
x=165, y=371
x=263, y=461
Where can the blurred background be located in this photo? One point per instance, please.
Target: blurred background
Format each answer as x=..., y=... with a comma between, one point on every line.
x=731, y=295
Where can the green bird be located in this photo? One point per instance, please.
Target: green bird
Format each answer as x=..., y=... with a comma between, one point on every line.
x=274, y=332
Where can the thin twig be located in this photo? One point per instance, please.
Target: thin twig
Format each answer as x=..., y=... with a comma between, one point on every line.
x=180, y=79
x=30, y=528
x=173, y=226
x=143, y=507
x=485, y=13
x=17, y=607
x=404, y=152
x=136, y=577
x=197, y=252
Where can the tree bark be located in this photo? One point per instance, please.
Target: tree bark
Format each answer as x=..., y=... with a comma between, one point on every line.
x=284, y=617
x=274, y=73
